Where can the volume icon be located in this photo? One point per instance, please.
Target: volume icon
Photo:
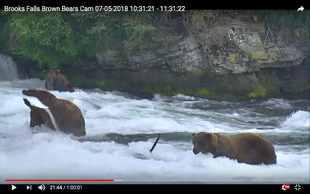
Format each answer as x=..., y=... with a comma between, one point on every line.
x=41, y=187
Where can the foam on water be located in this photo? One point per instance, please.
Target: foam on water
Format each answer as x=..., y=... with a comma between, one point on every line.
x=279, y=103
x=41, y=153
x=297, y=119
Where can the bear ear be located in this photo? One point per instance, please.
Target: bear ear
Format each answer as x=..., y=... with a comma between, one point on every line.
x=208, y=135
x=25, y=92
x=193, y=134
x=57, y=71
x=44, y=72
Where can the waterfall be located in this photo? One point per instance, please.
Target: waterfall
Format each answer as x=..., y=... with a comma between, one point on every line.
x=8, y=68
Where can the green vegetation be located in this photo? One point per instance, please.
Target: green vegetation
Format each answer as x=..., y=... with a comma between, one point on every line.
x=59, y=39
x=56, y=38
x=43, y=37
x=203, y=91
x=259, y=92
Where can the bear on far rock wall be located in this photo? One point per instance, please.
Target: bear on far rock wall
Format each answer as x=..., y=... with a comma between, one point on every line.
x=54, y=80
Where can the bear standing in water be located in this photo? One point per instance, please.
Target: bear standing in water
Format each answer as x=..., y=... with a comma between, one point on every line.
x=56, y=81
x=246, y=148
x=68, y=116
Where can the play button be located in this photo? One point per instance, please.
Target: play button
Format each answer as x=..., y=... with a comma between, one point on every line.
x=13, y=187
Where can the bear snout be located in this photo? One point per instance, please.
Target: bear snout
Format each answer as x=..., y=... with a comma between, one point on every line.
x=195, y=151
x=27, y=102
x=28, y=92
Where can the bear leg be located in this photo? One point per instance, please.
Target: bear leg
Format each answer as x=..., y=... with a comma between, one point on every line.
x=47, y=85
x=69, y=87
x=35, y=118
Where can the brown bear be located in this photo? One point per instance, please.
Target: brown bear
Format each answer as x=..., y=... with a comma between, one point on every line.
x=68, y=116
x=246, y=148
x=57, y=81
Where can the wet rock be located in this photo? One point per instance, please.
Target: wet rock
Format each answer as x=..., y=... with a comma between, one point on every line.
x=220, y=60
x=230, y=46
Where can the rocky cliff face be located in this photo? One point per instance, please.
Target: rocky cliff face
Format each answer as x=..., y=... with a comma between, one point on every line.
x=235, y=57
x=238, y=58
x=232, y=46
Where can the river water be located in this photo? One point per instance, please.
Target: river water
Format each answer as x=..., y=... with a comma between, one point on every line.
x=121, y=129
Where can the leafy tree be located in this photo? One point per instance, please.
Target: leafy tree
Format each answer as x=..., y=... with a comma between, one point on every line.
x=42, y=36
x=57, y=38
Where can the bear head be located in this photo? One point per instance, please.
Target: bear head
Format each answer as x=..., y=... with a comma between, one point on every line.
x=51, y=77
x=27, y=102
x=204, y=142
x=44, y=96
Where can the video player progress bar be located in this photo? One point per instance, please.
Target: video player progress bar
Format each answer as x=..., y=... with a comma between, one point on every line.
x=66, y=180
x=111, y=180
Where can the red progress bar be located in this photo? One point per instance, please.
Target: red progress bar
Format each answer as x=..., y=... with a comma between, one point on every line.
x=58, y=180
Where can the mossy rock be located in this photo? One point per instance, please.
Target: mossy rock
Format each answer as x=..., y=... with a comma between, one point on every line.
x=203, y=92
x=295, y=91
x=233, y=58
x=259, y=92
x=257, y=55
x=209, y=86
x=213, y=94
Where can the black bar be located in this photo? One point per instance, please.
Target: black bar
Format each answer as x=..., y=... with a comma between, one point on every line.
x=52, y=188
x=189, y=5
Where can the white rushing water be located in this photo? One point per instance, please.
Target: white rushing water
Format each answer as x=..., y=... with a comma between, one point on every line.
x=8, y=68
x=111, y=118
